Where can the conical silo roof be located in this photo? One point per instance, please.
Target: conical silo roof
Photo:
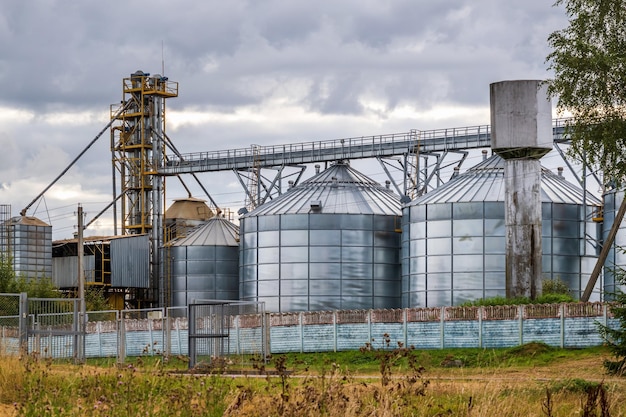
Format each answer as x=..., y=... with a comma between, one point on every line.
x=339, y=189
x=27, y=221
x=189, y=208
x=217, y=231
x=485, y=182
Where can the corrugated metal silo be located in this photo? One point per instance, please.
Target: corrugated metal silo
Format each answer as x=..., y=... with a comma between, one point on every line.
x=331, y=242
x=29, y=243
x=205, y=263
x=616, y=259
x=453, y=246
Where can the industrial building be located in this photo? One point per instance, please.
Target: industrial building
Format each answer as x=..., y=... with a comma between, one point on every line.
x=430, y=236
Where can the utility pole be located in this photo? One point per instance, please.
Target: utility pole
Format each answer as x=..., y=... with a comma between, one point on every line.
x=82, y=316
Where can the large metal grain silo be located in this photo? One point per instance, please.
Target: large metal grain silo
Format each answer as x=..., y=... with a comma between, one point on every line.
x=205, y=264
x=331, y=242
x=454, y=237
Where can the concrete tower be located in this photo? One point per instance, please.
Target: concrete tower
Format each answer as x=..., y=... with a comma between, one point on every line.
x=521, y=133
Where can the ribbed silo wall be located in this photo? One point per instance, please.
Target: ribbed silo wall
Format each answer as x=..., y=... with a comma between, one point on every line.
x=31, y=250
x=130, y=262
x=204, y=272
x=313, y=262
x=570, y=245
x=455, y=252
x=616, y=259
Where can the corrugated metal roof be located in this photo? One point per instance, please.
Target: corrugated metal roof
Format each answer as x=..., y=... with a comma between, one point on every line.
x=217, y=231
x=339, y=189
x=485, y=182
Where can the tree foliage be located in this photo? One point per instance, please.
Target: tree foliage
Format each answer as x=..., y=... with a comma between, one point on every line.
x=42, y=287
x=615, y=338
x=589, y=63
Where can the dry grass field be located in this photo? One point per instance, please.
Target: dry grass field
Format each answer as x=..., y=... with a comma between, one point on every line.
x=536, y=381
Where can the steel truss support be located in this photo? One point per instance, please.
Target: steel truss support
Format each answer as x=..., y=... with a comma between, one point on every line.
x=267, y=186
x=417, y=179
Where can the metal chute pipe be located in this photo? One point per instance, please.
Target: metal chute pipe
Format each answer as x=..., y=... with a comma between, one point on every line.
x=108, y=125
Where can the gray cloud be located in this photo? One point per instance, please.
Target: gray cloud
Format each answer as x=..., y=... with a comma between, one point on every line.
x=300, y=70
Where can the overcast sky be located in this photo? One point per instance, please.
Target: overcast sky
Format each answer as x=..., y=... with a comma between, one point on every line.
x=249, y=72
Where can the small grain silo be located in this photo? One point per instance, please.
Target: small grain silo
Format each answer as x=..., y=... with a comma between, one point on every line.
x=205, y=263
x=453, y=247
x=27, y=241
x=331, y=242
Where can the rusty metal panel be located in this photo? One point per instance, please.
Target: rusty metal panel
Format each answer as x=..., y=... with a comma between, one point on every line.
x=130, y=262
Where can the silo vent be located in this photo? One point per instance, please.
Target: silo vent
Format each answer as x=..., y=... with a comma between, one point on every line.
x=316, y=205
x=317, y=168
x=388, y=184
x=290, y=186
x=560, y=171
x=334, y=182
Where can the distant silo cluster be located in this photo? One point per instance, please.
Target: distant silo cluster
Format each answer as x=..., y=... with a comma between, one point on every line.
x=332, y=242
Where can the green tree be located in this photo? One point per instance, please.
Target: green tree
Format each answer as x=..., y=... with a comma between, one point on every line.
x=95, y=299
x=615, y=338
x=7, y=276
x=589, y=63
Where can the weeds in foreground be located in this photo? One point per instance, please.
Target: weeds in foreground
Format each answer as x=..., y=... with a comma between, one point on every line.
x=124, y=391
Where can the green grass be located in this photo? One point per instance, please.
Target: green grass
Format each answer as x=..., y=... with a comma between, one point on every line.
x=528, y=355
x=150, y=386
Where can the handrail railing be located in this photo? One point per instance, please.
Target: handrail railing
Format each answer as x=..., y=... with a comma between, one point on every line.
x=461, y=138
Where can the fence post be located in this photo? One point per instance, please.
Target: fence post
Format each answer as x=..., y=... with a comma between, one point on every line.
x=335, y=331
x=301, y=332
x=23, y=324
x=405, y=316
x=520, y=311
x=442, y=327
x=267, y=328
x=99, y=333
x=562, y=313
x=369, y=326
x=237, y=334
x=480, y=327
x=167, y=337
x=121, y=339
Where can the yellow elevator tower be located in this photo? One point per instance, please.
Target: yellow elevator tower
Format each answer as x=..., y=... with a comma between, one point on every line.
x=138, y=149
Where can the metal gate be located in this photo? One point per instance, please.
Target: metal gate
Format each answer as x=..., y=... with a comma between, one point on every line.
x=210, y=325
x=55, y=328
x=12, y=327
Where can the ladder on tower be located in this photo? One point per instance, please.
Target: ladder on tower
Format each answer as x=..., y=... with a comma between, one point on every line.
x=254, y=179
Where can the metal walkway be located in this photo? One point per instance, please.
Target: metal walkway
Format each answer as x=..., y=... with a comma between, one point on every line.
x=439, y=140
